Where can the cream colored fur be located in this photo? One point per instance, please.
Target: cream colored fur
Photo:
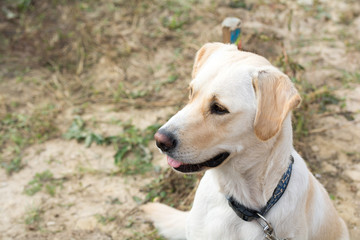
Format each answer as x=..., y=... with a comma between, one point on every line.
x=258, y=134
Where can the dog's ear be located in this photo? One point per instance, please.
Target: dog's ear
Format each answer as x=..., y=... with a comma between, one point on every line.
x=202, y=55
x=276, y=96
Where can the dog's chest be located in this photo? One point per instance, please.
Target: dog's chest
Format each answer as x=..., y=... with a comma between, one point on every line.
x=212, y=218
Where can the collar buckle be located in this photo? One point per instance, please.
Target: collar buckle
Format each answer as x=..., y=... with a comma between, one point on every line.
x=243, y=212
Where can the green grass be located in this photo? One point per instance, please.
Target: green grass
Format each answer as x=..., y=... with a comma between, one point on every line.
x=43, y=181
x=350, y=77
x=170, y=188
x=18, y=131
x=179, y=14
x=314, y=101
x=238, y=4
x=332, y=196
x=288, y=65
x=325, y=98
x=105, y=219
x=12, y=166
x=120, y=93
x=13, y=8
x=153, y=235
x=33, y=218
x=132, y=154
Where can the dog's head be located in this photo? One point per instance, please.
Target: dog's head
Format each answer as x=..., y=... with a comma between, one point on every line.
x=234, y=97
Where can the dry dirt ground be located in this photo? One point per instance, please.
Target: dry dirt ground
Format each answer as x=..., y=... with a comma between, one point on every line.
x=121, y=66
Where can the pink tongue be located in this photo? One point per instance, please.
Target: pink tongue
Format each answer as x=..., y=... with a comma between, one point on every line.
x=173, y=163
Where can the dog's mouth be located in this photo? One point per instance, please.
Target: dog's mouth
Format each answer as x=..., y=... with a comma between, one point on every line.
x=189, y=168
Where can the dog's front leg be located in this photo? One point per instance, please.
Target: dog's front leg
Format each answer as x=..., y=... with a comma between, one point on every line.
x=169, y=221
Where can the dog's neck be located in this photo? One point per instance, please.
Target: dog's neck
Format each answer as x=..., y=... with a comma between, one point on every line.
x=251, y=175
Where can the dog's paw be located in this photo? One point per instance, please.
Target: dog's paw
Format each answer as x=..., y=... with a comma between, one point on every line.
x=169, y=221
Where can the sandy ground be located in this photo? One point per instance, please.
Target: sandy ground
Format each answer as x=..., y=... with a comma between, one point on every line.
x=322, y=38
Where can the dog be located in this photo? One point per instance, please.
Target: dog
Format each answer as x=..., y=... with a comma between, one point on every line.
x=237, y=127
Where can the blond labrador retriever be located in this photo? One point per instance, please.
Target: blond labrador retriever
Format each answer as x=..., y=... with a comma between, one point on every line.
x=237, y=126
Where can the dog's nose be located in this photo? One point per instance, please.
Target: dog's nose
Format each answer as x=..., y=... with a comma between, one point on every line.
x=165, y=141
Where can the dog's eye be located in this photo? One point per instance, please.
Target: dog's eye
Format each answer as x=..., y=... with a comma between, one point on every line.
x=216, y=108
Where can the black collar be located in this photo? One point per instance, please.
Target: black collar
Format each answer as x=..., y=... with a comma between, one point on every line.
x=248, y=214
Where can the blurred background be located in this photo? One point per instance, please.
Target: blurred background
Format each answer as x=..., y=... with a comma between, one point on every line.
x=85, y=84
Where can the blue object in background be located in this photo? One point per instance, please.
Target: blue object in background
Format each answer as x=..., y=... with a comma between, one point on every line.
x=235, y=36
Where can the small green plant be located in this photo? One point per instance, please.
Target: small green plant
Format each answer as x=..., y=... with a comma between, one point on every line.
x=33, y=217
x=78, y=132
x=43, y=180
x=18, y=131
x=179, y=14
x=12, y=166
x=105, y=219
x=132, y=154
x=237, y=4
x=138, y=200
x=350, y=77
x=326, y=97
x=173, y=22
x=314, y=100
x=23, y=5
x=12, y=8
x=171, y=188
x=288, y=65
x=121, y=93
x=152, y=235
x=332, y=197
